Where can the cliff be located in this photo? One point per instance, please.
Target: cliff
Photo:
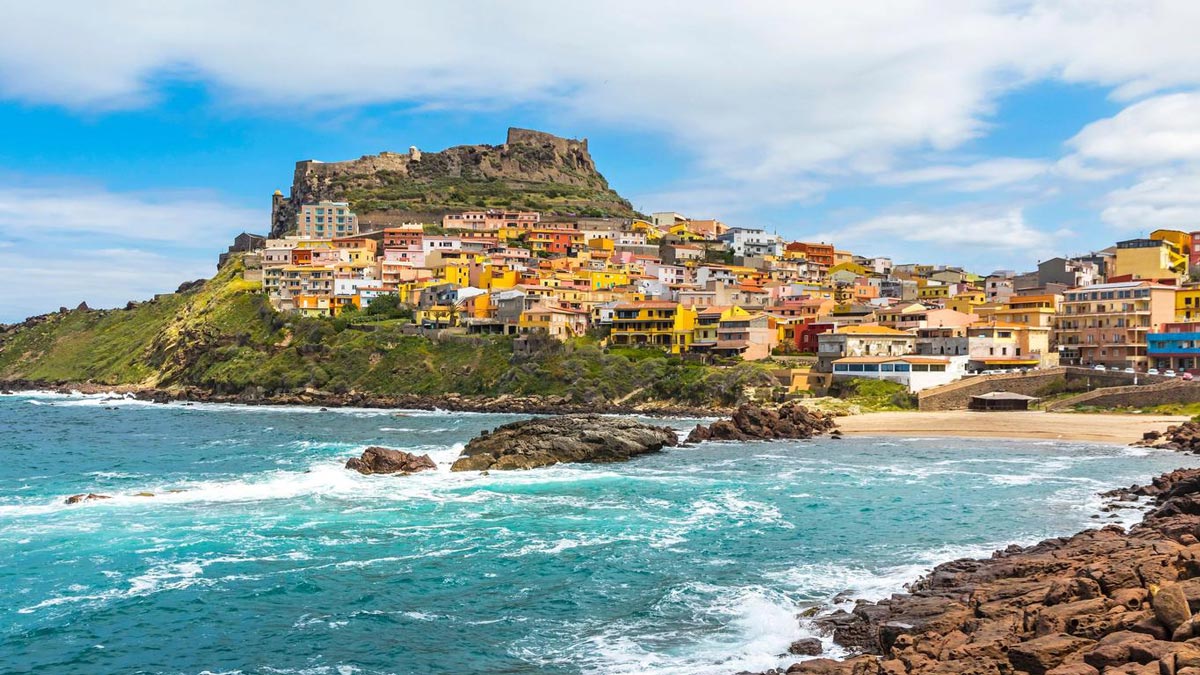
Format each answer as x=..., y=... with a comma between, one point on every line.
x=532, y=170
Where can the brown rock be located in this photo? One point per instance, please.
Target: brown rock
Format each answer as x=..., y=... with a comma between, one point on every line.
x=385, y=460
x=751, y=422
x=91, y=496
x=1039, y=655
x=805, y=647
x=1170, y=606
x=578, y=438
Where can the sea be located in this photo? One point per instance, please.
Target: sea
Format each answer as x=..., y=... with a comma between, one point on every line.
x=260, y=553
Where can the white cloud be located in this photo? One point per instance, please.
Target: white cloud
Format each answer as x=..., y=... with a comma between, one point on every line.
x=958, y=235
x=199, y=218
x=1163, y=201
x=1153, y=132
x=758, y=93
x=72, y=243
x=984, y=175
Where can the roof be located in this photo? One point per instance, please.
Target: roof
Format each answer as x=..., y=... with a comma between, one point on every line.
x=648, y=304
x=893, y=359
x=1004, y=396
x=871, y=329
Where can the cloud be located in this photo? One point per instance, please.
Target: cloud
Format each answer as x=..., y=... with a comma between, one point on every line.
x=66, y=243
x=1156, y=131
x=186, y=217
x=984, y=175
x=980, y=236
x=784, y=89
x=1163, y=201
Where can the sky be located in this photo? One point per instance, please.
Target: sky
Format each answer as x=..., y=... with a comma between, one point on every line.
x=137, y=138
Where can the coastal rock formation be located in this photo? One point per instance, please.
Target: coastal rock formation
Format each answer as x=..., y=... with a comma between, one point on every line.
x=545, y=172
x=753, y=423
x=579, y=438
x=385, y=460
x=1183, y=437
x=1100, y=602
x=89, y=497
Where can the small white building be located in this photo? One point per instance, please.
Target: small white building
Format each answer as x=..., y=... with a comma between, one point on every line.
x=915, y=372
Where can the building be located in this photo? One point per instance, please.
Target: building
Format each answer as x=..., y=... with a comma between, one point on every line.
x=653, y=323
x=1000, y=400
x=862, y=340
x=1175, y=346
x=1153, y=259
x=1107, y=324
x=746, y=242
x=824, y=255
x=914, y=372
x=999, y=345
x=326, y=220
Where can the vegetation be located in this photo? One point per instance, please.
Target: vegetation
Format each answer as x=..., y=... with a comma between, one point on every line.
x=877, y=395
x=224, y=336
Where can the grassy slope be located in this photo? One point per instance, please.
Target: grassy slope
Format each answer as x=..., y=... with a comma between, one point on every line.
x=224, y=336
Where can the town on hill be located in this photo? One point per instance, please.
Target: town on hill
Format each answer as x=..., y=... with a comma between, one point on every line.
x=441, y=247
x=700, y=289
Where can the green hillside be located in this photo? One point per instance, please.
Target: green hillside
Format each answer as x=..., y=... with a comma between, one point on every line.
x=223, y=336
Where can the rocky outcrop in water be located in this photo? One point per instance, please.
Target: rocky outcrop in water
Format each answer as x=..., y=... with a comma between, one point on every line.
x=1182, y=437
x=1100, y=602
x=88, y=497
x=577, y=438
x=755, y=423
x=385, y=460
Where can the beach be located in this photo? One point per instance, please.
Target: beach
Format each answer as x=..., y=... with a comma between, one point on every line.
x=1099, y=428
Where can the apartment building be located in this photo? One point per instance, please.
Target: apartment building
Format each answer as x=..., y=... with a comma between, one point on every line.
x=1107, y=324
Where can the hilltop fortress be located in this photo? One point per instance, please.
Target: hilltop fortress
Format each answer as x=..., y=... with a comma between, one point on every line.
x=532, y=169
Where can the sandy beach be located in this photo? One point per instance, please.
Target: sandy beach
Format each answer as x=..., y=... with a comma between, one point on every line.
x=1122, y=429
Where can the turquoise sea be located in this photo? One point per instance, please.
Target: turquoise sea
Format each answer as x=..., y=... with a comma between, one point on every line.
x=259, y=553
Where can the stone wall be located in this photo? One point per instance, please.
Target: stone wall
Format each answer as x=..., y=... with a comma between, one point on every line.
x=1134, y=396
x=956, y=395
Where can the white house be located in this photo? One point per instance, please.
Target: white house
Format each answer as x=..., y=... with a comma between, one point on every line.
x=915, y=372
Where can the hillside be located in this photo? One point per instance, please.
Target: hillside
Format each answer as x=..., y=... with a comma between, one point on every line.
x=223, y=337
x=532, y=170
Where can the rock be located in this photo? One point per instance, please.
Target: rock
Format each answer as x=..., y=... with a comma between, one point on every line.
x=751, y=422
x=1170, y=606
x=144, y=494
x=806, y=647
x=385, y=460
x=578, y=438
x=91, y=496
x=1041, y=654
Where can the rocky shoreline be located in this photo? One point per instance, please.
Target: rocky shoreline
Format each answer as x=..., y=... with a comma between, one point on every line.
x=504, y=404
x=1100, y=602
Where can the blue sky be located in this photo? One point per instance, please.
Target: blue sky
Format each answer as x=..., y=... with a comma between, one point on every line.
x=136, y=141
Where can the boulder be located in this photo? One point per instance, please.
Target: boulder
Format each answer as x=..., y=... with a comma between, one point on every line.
x=1039, y=655
x=752, y=423
x=527, y=444
x=385, y=460
x=805, y=647
x=91, y=496
x=1170, y=606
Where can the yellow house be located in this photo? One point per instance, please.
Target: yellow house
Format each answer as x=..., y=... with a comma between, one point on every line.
x=854, y=268
x=607, y=279
x=504, y=278
x=933, y=292
x=997, y=344
x=1030, y=310
x=966, y=302
x=1158, y=257
x=1187, y=304
x=651, y=323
